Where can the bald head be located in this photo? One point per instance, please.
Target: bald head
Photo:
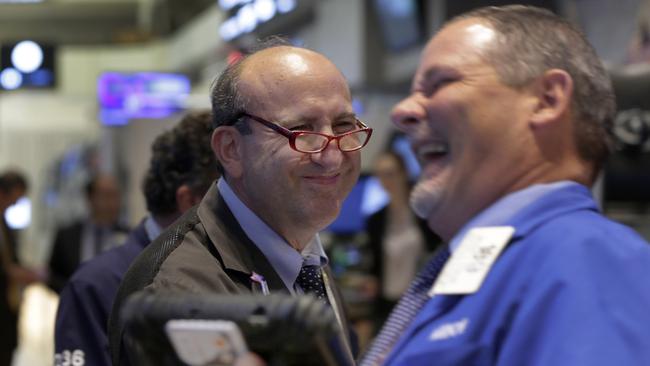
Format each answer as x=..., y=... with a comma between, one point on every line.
x=268, y=78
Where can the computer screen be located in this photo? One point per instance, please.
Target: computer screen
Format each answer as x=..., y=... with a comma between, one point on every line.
x=27, y=65
x=366, y=198
x=400, y=23
x=125, y=96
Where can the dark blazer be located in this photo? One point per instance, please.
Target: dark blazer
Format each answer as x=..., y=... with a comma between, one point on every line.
x=205, y=251
x=86, y=301
x=65, y=255
x=8, y=316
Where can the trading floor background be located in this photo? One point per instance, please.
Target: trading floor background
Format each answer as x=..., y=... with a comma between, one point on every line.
x=114, y=74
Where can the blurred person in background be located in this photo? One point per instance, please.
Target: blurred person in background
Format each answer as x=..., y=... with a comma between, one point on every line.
x=13, y=276
x=86, y=238
x=400, y=241
x=288, y=145
x=181, y=169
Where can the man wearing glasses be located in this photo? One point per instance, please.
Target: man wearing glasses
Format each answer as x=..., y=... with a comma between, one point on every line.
x=287, y=143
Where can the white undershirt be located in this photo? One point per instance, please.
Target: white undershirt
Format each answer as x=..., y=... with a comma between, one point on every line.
x=403, y=248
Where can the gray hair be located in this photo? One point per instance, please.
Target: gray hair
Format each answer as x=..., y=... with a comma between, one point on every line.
x=531, y=41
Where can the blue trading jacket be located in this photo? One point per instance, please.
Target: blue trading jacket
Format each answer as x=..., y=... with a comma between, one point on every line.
x=571, y=288
x=86, y=301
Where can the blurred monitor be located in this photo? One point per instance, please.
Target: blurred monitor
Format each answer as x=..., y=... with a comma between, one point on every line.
x=27, y=64
x=125, y=96
x=366, y=198
x=247, y=20
x=400, y=23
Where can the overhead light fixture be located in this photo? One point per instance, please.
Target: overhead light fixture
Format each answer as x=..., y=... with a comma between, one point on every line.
x=250, y=14
x=27, y=56
x=285, y=6
x=19, y=215
x=247, y=18
x=11, y=78
x=265, y=9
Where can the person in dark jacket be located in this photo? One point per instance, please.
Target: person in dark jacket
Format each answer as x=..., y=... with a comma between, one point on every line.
x=86, y=238
x=12, y=275
x=181, y=169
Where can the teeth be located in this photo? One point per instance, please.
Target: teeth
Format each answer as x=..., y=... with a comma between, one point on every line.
x=432, y=148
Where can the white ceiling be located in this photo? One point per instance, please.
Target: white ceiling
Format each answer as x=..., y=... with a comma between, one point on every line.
x=96, y=21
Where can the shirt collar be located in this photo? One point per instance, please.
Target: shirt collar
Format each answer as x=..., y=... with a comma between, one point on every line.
x=500, y=212
x=285, y=260
x=152, y=228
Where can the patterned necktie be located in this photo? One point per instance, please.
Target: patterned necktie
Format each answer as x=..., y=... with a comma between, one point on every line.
x=310, y=281
x=405, y=310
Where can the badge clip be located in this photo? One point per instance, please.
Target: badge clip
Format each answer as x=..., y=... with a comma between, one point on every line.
x=259, y=279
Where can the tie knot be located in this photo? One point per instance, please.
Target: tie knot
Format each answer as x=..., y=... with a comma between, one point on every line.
x=310, y=280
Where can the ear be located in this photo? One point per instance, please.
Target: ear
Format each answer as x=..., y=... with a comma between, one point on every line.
x=226, y=144
x=554, y=92
x=185, y=199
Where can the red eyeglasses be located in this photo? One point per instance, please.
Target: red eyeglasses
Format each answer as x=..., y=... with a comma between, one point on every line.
x=314, y=142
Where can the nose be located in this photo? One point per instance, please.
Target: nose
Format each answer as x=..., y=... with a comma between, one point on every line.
x=331, y=157
x=408, y=114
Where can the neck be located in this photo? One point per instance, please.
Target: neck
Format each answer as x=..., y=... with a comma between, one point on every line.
x=398, y=203
x=297, y=239
x=297, y=235
x=447, y=224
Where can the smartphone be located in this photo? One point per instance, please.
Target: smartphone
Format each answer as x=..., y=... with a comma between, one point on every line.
x=206, y=342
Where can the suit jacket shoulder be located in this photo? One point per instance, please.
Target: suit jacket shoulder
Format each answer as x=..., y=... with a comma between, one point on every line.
x=203, y=251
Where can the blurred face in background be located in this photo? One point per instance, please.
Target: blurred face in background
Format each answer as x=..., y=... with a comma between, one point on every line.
x=105, y=201
x=391, y=175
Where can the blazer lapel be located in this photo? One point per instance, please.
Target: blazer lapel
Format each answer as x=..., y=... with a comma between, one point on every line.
x=236, y=250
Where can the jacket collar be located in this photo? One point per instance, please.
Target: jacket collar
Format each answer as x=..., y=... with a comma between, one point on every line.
x=237, y=251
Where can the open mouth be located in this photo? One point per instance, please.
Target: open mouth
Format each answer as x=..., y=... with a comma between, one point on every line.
x=432, y=151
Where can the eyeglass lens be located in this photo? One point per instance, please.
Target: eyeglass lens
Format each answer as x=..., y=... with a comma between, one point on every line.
x=313, y=142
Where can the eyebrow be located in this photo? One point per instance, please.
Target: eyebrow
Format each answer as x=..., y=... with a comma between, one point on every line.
x=431, y=74
x=312, y=119
x=346, y=115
